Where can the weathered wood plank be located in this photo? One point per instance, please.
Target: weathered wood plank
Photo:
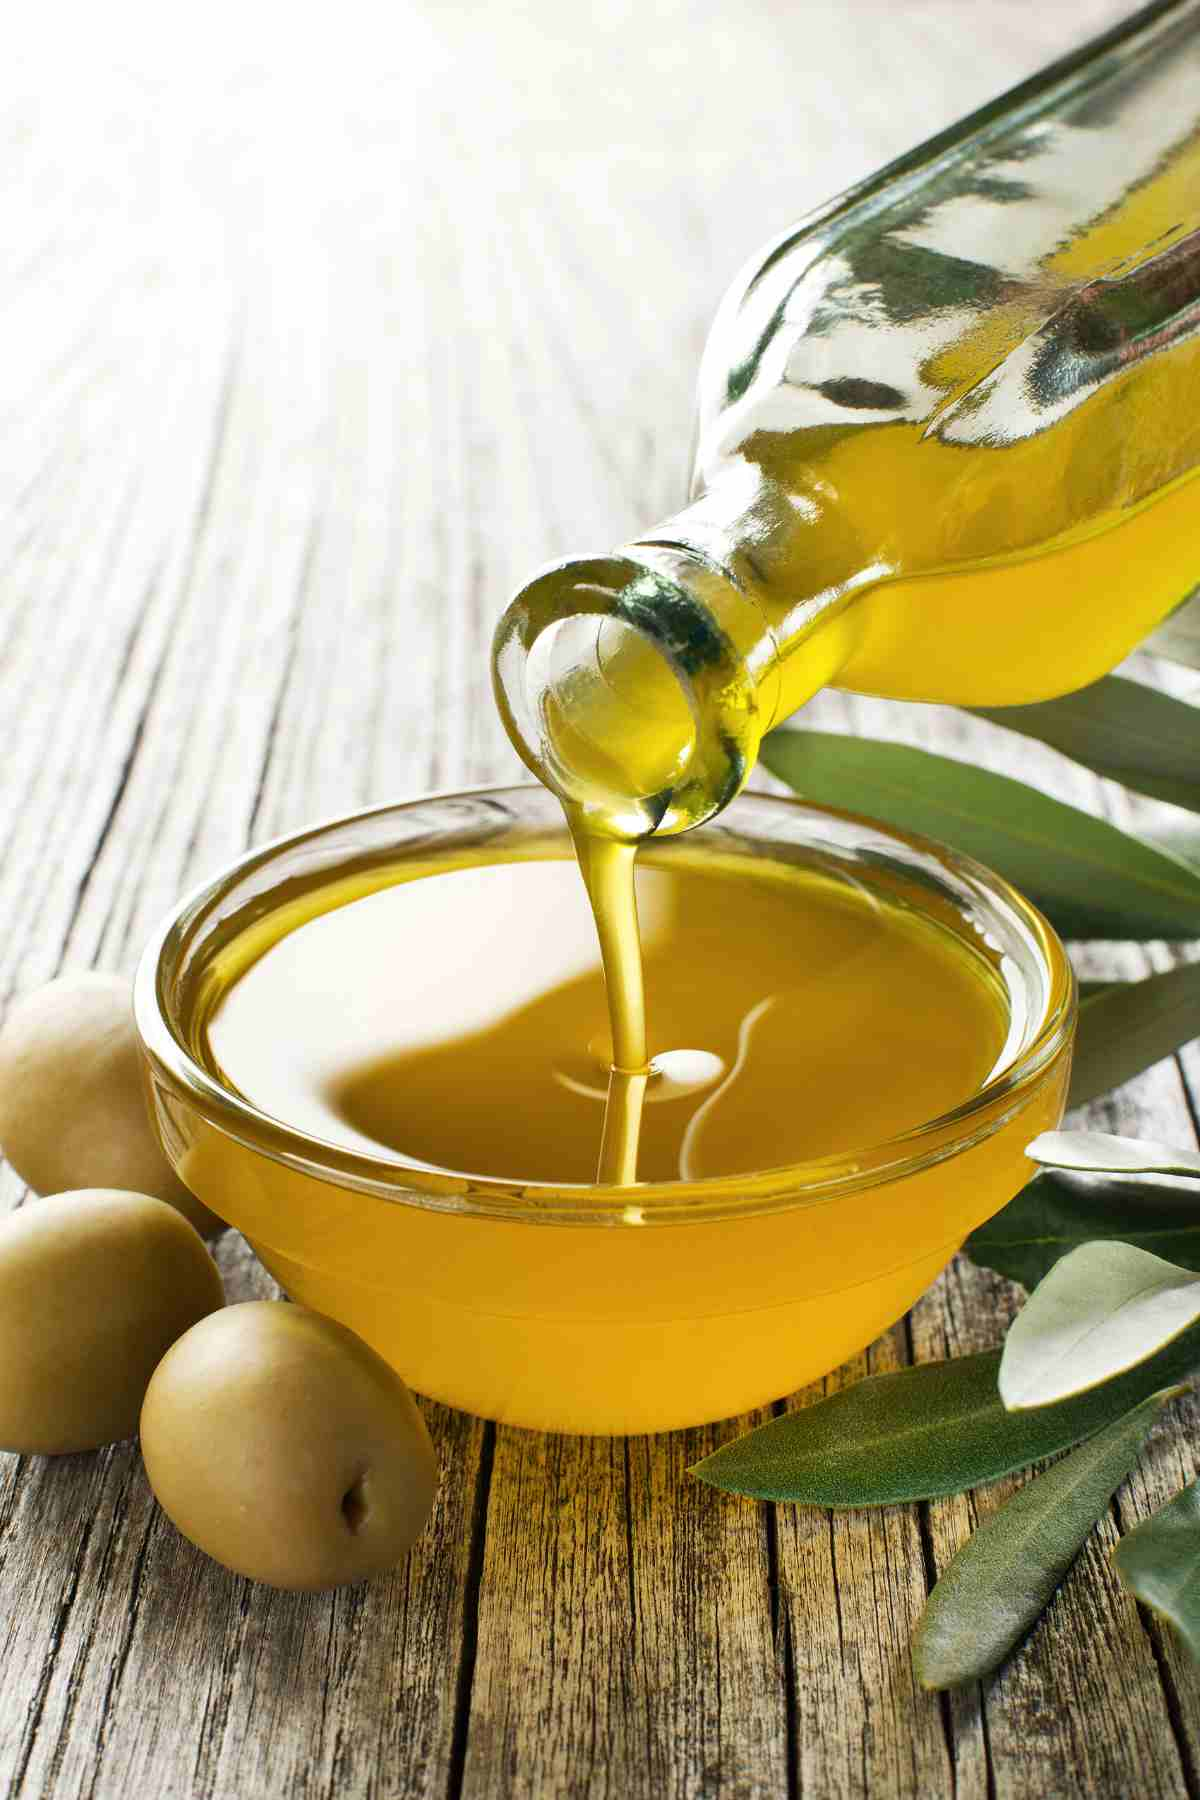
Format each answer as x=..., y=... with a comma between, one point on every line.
x=314, y=344
x=374, y=1675
x=625, y=1631
x=852, y=1586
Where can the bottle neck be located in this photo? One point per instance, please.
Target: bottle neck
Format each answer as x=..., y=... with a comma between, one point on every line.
x=795, y=559
x=638, y=686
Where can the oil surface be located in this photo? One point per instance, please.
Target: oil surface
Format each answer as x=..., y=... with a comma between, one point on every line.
x=460, y=1020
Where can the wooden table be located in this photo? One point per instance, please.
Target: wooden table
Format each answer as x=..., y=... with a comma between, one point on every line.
x=318, y=336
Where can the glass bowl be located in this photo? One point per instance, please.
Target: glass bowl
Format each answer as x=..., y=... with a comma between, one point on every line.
x=592, y=1309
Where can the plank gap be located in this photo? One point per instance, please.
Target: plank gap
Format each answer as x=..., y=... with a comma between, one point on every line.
x=307, y=564
x=1156, y=1641
x=57, y=1637
x=1189, y=1095
x=989, y=1762
x=929, y=1559
x=121, y=1656
x=1154, y=1636
x=781, y=1640
x=629, y=1555
x=126, y=770
x=472, y=1588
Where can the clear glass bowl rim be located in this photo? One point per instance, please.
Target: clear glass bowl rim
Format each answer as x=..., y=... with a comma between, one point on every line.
x=796, y=1184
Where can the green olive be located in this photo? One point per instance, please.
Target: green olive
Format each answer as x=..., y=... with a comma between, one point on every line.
x=94, y=1288
x=286, y=1448
x=72, y=1107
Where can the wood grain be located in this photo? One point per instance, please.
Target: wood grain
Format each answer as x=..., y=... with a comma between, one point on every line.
x=318, y=334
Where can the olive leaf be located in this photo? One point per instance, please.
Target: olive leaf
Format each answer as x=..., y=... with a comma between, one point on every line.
x=1056, y=1212
x=1103, y=1309
x=1178, y=637
x=1099, y=1152
x=997, y=1587
x=1159, y=1562
x=922, y=1432
x=1120, y=729
x=1091, y=879
x=1131, y=1025
x=1180, y=840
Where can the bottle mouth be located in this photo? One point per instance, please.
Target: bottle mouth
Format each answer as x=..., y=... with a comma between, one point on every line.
x=621, y=692
x=615, y=725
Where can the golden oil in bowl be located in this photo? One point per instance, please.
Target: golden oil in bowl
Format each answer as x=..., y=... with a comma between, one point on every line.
x=381, y=1049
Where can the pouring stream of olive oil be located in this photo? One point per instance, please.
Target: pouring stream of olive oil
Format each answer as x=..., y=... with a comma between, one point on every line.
x=948, y=430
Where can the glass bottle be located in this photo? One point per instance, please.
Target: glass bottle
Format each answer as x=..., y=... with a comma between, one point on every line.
x=945, y=435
